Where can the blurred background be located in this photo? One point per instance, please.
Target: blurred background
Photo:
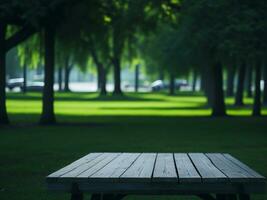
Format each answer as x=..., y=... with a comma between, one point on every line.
x=80, y=76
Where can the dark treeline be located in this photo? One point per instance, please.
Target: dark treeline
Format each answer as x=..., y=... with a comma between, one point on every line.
x=175, y=38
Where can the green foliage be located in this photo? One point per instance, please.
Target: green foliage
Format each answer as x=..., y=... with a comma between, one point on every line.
x=31, y=52
x=163, y=52
x=225, y=31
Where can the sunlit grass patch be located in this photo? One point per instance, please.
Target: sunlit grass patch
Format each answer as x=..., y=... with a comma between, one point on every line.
x=131, y=104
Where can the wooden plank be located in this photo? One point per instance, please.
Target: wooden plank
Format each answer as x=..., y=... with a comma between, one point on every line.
x=141, y=169
x=99, y=165
x=231, y=170
x=185, y=168
x=206, y=169
x=117, y=167
x=165, y=168
x=82, y=168
x=74, y=165
x=244, y=166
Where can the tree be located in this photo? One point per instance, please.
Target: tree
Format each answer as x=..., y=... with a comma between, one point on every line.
x=48, y=116
x=265, y=85
x=240, y=85
x=60, y=79
x=11, y=13
x=222, y=31
x=127, y=17
x=230, y=81
x=200, y=38
x=136, y=77
x=249, y=82
x=257, y=95
x=162, y=51
x=55, y=13
x=194, y=79
x=3, y=112
x=30, y=55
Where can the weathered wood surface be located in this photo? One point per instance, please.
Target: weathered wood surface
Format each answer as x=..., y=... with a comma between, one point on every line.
x=230, y=169
x=117, y=166
x=90, y=171
x=82, y=168
x=185, y=168
x=243, y=166
x=75, y=165
x=141, y=169
x=158, y=173
x=165, y=168
x=206, y=169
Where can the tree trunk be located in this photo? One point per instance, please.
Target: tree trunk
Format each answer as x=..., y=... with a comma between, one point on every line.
x=265, y=85
x=257, y=93
x=161, y=74
x=249, y=81
x=230, y=81
x=117, y=77
x=103, y=81
x=48, y=116
x=194, y=81
x=3, y=111
x=136, y=84
x=202, y=83
x=67, y=76
x=172, y=84
x=206, y=85
x=240, y=85
x=218, y=104
x=59, y=79
x=98, y=77
x=24, y=78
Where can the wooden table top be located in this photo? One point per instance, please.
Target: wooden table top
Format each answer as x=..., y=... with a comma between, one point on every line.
x=154, y=173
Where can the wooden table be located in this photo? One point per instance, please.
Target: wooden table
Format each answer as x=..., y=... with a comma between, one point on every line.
x=114, y=175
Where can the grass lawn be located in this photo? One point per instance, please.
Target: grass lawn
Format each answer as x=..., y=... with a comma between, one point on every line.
x=134, y=123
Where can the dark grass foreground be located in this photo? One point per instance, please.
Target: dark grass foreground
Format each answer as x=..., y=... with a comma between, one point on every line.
x=29, y=152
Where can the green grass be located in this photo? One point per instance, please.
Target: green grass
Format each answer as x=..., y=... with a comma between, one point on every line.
x=133, y=123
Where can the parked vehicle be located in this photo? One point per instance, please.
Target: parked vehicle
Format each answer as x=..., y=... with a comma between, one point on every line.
x=19, y=83
x=15, y=83
x=159, y=85
x=35, y=86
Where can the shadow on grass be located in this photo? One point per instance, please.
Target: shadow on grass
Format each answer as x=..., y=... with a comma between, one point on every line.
x=106, y=121
x=83, y=97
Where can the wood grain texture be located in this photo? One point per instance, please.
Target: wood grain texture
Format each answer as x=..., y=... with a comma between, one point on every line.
x=75, y=164
x=162, y=173
x=141, y=169
x=185, y=168
x=99, y=165
x=245, y=167
x=85, y=166
x=117, y=167
x=206, y=169
x=165, y=168
x=231, y=170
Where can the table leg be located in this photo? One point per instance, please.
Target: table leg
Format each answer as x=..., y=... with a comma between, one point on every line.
x=244, y=197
